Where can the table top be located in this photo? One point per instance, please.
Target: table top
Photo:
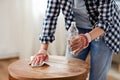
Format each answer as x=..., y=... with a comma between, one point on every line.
x=57, y=67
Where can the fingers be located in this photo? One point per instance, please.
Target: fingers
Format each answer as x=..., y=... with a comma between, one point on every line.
x=74, y=40
x=76, y=46
x=38, y=59
x=46, y=58
x=78, y=43
x=84, y=39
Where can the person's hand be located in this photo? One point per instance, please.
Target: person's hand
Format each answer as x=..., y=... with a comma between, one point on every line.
x=39, y=58
x=78, y=43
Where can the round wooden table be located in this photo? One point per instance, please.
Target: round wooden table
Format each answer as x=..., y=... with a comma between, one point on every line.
x=58, y=68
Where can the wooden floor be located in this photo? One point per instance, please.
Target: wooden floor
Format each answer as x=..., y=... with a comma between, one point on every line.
x=4, y=72
x=3, y=68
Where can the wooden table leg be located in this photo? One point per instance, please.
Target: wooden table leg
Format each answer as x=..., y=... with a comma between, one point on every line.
x=119, y=67
x=88, y=59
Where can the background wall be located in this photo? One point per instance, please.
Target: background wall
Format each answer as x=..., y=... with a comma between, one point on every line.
x=8, y=31
x=20, y=26
x=21, y=22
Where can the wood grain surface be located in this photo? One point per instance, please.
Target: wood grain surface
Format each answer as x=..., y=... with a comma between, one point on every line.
x=57, y=68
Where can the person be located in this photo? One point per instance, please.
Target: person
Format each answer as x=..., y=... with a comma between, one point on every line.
x=98, y=22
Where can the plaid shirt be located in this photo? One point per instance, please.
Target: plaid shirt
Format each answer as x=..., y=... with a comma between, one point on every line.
x=102, y=13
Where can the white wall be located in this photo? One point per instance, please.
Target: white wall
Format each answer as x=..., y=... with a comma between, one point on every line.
x=20, y=25
x=9, y=21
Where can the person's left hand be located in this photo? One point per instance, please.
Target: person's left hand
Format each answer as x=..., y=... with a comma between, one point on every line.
x=78, y=43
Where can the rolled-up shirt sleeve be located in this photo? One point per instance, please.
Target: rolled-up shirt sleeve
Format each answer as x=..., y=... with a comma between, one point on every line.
x=50, y=21
x=53, y=10
x=105, y=16
x=66, y=8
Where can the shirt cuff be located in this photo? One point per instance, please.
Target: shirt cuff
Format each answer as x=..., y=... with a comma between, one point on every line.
x=103, y=25
x=46, y=39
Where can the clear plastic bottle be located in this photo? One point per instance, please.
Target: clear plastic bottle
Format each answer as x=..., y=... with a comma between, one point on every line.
x=72, y=31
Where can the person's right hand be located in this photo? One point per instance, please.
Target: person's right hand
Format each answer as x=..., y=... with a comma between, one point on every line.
x=39, y=58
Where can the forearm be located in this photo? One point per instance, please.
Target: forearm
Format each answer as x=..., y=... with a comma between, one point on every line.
x=96, y=33
x=50, y=22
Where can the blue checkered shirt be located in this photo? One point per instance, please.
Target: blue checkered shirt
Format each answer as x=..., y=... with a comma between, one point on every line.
x=102, y=13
